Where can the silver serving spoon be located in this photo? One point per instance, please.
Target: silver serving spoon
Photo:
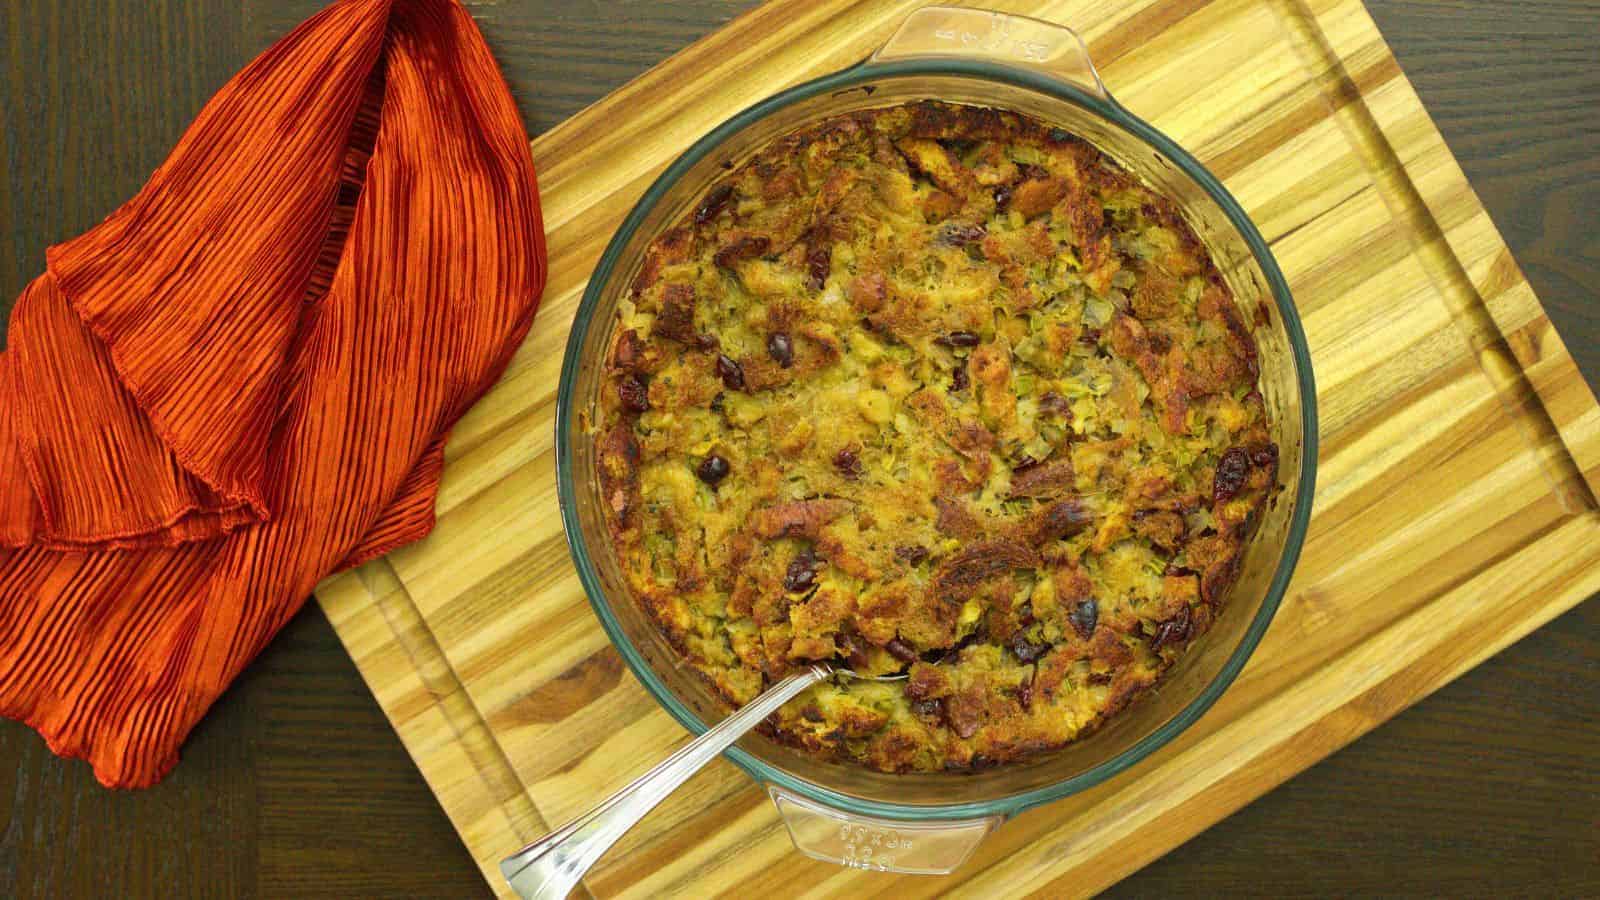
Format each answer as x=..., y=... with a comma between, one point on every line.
x=550, y=867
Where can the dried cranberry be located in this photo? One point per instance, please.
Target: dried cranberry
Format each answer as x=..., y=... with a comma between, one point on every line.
x=819, y=262
x=900, y=650
x=959, y=339
x=801, y=574
x=848, y=463
x=1265, y=456
x=1084, y=617
x=714, y=203
x=781, y=349
x=1232, y=471
x=731, y=373
x=712, y=469
x=958, y=379
x=911, y=553
x=629, y=351
x=1027, y=651
x=928, y=709
x=1173, y=631
x=633, y=393
x=851, y=648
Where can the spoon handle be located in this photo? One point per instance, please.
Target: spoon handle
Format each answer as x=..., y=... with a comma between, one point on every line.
x=551, y=866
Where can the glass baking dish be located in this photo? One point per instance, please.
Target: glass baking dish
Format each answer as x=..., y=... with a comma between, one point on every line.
x=930, y=823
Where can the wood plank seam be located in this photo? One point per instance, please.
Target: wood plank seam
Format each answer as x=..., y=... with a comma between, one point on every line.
x=412, y=634
x=1468, y=308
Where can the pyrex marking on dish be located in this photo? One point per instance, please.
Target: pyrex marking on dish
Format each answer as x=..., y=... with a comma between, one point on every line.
x=887, y=838
x=869, y=848
x=997, y=40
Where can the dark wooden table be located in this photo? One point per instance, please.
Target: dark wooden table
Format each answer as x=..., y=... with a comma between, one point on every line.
x=295, y=785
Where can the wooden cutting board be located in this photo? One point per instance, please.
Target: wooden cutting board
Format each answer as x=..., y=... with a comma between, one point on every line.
x=1455, y=507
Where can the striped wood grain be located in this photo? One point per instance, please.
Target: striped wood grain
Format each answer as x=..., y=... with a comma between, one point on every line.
x=1455, y=504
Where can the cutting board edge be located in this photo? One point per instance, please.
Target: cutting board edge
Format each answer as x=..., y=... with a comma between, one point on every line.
x=342, y=597
x=347, y=593
x=1563, y=446
x=1420, y=204
x=1372, y=706
x=1554, y=608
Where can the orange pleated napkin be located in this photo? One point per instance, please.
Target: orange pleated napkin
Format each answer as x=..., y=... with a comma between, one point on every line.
x=242, y=380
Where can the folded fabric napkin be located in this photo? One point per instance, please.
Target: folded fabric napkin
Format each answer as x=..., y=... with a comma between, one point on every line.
x=242, y=380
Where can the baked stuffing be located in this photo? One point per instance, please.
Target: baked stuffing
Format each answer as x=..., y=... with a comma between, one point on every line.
x=935, y=390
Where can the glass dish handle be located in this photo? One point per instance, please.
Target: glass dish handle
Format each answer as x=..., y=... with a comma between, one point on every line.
x=549, y=868
x=953, y=32
x=879, y=845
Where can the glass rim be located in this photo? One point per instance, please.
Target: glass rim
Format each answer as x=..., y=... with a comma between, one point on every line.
x=1115, y=113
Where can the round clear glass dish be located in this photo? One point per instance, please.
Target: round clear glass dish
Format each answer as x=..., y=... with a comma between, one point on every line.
x=929, y=823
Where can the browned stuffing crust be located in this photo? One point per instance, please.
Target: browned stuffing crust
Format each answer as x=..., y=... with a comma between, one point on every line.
x=938, y=390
